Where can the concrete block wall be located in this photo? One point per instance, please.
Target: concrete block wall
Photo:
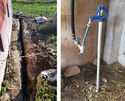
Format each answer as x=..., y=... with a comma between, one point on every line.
x=114, y=43
x=121, y=56
x=83, y=9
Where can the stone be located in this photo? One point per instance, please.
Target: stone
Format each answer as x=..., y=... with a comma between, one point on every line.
x=95, y=61
x=104, y=80
x=4, y=83
x=66, y=88
x=37, y=35
x=9, y=89
x=5, y=97
x=71, y=71
x=47, y=74
x=90, y=88
x=120, y=71
x=86, y=82
x=90, y=95
x=49, y=49
x=77, y=85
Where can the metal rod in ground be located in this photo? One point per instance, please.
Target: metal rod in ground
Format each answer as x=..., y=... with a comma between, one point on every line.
x=98, y=55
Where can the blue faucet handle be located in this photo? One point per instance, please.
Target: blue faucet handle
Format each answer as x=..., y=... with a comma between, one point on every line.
x=98, y=17
x=78, y=39
x=80, y=57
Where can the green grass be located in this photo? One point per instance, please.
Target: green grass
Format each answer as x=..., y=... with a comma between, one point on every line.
x=36, y=0
x=33, y=9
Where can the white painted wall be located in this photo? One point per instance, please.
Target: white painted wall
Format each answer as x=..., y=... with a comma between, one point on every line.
x=114, y=43
x=121, y=56
x=5, y=34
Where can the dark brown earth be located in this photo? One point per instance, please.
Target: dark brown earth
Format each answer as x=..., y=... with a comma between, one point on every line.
x=82, y=87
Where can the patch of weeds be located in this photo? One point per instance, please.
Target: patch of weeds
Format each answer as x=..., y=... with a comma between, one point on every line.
x=52, y=43
x=3, y=90
x=45, y=92
x=49, y=29
x=51, y=21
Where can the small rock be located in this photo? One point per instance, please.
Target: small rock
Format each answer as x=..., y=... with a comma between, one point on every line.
x=5, y=97
x=49, y=49
x=90, y=95
x=5, y=82
x=47, y=74
x=104, y=80
x=95, y=61
x=71, y=71
x=120, y=71
x=9, y=89
x=110, y=93
x=15, y=79
x=66, y=88
x=54, y=53
x=90, y=88
x=61, y=82
x=37, y=34
x=86, y=82
x=89, y=99
x=77, y=85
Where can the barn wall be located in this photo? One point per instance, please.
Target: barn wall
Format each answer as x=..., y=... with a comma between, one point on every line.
x=83, y=9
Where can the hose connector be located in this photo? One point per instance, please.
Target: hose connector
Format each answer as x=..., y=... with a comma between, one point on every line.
x=81, y=47
x=78, y=40
x=80, y=56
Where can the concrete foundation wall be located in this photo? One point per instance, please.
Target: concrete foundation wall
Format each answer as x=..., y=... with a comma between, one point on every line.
x=115, y=35
x=5, y=34
x=83, y=9
x=121, y=56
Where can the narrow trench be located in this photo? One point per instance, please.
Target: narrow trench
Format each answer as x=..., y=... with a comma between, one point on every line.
x=23, y=69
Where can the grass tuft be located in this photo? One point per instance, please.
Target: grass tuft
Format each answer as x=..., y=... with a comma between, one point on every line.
x=34, y=9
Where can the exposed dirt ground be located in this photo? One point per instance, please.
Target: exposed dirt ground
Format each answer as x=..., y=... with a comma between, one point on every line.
x=12, y=78
x=82, y=87
x=21, y=73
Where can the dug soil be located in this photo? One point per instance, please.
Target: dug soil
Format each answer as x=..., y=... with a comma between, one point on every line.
x=28, y=56
x=82, y=86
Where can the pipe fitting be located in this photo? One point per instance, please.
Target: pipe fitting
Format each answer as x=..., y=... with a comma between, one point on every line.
x=80, y=56
x=81, y=48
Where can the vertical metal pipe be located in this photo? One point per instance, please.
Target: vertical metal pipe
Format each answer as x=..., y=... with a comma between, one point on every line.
x=98, y=55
